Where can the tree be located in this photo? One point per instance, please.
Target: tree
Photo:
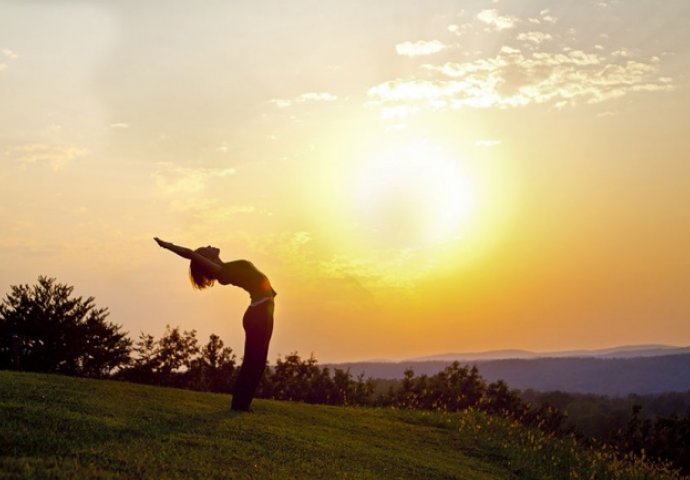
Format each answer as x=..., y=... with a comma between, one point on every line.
x=291, y=379
x=44, y=328
x=214, y=355
x=144, y=366
x=303, y=380
x=177, y=350
x=499, y=398
x=215, y=368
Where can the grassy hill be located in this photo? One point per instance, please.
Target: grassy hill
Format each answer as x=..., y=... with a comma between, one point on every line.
x=61, y=427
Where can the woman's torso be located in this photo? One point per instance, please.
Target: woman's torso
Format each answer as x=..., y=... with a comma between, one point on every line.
x=245, y=275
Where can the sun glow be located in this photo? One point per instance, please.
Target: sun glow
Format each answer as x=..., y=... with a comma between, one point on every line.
x=413, y=196
x=391, y=208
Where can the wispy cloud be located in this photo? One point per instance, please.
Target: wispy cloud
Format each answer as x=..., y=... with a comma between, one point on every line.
x=56, y=157
x=487, y=143
x=419, y=48
x=298, y=250
x=512, y=78
x=375, y=273
x=494, y=20
x=398, y=111
x=305, y=97
x=316, y=97
x=313, y=263
x=119, y=126
x=9, y=54
x=547, y=17
x=402, y=90
x=534, y=37
x=171, y=178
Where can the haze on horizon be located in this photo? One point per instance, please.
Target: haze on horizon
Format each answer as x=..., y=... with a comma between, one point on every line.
x=414, y=177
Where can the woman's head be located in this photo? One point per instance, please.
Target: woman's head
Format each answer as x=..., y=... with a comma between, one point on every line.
x=197, y=274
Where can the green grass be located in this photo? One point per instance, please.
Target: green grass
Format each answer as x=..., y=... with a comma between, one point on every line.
x=61, y=427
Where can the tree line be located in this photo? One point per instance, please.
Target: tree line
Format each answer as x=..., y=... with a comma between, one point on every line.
x=44, y=328
x=657, y=425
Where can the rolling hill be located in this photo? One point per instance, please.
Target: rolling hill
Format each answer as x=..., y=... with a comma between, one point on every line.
x=599, y=375
x=626, y=351
x=61, y=427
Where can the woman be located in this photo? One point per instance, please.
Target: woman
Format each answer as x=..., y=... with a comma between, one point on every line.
x=204, y=269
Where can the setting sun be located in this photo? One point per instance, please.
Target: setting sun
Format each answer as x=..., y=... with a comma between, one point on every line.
x=413, y=195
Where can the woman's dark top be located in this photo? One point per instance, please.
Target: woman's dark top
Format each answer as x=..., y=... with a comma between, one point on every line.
x=245, y=275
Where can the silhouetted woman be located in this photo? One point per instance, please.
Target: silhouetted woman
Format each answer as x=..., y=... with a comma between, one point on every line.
x=204, y=269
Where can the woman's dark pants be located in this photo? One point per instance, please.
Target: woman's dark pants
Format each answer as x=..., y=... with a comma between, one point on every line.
x=258, y=327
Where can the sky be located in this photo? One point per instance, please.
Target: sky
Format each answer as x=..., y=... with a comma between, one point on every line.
x=415, y=177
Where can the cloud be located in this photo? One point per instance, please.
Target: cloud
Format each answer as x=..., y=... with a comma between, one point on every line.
x=305, y=256
x=370, y=274
x=534, y=37
x=175, y=179
x=119, y=125
x=9, y=54
x=398, y=111
x=56, y=157
x=512, y=78
x=419, y=48
x=316, y=97
x=223, y=148
x=305, y=97
x=401, y=90
x=547, y=17
x=496, y=21
x=487, y=143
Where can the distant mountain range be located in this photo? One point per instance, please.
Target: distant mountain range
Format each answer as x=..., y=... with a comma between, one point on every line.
x=620, y=371
x=629, y=351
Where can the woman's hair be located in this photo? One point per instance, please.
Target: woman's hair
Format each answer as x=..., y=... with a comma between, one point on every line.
x=197, y=276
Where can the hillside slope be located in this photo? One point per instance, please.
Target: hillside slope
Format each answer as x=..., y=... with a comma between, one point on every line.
x=60, y=427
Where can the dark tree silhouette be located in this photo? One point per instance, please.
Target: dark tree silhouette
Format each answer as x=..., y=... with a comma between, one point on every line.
x=44, y=328
x=176, y=350
x=215, y=369
x=144, y=367
x=172, y=360
x=662, y=438
x=296, y=379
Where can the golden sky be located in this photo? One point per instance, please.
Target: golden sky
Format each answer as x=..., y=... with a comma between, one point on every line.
x=415, y=177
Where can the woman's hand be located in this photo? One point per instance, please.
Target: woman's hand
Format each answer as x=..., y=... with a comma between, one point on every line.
x=162, y=243
x=212, y=267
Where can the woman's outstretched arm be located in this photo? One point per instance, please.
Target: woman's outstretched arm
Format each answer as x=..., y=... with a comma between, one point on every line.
x=189, y=254
x=183, y=252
